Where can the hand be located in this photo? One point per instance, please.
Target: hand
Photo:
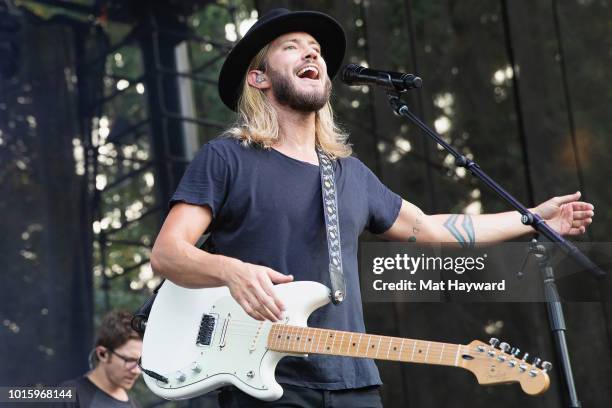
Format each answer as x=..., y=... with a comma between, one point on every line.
x=566, y=215
x=251, y=286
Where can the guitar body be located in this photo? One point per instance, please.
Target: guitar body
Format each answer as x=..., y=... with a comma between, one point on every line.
x=201, y=340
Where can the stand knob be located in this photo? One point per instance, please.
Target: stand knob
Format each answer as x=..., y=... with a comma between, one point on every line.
x=493, y=341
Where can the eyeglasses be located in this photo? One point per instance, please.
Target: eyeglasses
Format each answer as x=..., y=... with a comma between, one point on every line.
x=128, y=362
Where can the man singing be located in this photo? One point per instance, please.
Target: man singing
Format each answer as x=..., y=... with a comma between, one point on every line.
x=257, y=190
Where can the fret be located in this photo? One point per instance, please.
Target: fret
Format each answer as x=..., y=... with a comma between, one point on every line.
x=332, y=336
x=275, y=339
x=311, y=338
x=298, y=338
x=401, y=348
x=329, y=335
x=457, y=356
x=368, y=346
x=441, y=352
x=358, y=343
x=427, y=351
x=318, y=341
x=286, y=337
x=281, y=330
x=378, y=347
x=341, y=339
x=349, y=344
x=280, y=336
x=293, y=336
x=389, y=349
x=326, y=338
x=413, y=348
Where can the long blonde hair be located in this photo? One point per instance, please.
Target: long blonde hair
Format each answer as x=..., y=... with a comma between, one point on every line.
x=257, y=121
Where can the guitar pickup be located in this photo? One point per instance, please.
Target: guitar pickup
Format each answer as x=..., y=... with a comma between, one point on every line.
x=207, y=328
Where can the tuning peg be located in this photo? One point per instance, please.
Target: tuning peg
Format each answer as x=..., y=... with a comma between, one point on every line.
x=525, y=356
x=546, y=366
x=537, y=361
x=504, y=346
x=515, y=351
x=493, y=341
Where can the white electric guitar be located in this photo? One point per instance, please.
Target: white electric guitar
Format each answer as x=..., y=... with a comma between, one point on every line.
x=198, y=340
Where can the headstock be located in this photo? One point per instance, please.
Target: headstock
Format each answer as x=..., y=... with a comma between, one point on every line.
x=492, y=365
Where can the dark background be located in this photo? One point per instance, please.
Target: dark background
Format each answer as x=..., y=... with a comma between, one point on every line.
x=99, y=114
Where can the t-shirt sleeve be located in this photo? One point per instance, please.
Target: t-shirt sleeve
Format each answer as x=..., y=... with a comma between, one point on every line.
x=383, y=204
x=205, y=181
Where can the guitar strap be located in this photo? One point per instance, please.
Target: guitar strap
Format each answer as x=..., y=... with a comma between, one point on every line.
x=332, y=227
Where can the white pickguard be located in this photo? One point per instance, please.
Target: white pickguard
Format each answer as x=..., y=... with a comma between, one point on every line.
x=237, y=354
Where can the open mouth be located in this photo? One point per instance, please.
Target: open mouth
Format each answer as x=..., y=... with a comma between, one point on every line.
x=308, y=72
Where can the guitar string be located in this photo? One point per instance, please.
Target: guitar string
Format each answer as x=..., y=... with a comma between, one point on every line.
x=292, y=331
x=446, y=360
x=433, y=348
x=447, y=353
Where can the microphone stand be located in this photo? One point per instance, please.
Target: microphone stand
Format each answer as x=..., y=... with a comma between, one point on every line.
x=553, y=303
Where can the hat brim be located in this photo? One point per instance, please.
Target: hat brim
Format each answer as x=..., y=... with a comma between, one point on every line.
x=326, y=30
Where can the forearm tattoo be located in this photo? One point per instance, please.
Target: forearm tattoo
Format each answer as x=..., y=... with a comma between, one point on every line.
x=416, y=228
x=464, y=232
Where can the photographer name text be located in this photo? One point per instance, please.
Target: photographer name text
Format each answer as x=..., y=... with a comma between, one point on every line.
x=433, y=285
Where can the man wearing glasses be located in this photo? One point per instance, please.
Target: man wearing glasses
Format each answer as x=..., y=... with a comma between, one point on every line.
x=118, y=348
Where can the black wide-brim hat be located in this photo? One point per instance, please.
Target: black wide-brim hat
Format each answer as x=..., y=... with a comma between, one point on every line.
x=326, y=30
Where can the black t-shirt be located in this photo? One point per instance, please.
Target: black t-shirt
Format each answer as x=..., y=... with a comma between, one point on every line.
x=90, y=396
x=267, y=210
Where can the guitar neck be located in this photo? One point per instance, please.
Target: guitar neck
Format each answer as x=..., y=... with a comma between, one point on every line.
x=295, y=339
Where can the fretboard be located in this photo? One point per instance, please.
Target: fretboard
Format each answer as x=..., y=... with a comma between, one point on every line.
x=294, y=339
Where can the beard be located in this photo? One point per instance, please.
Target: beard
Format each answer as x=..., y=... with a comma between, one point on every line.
x=287, y=94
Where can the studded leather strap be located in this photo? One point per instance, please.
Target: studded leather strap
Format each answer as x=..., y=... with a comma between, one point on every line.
x=332, y=226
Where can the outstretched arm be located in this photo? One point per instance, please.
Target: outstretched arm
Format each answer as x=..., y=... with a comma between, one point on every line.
x=564, y=214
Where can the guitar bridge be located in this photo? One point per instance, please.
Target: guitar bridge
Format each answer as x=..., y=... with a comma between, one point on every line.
x=207, y=327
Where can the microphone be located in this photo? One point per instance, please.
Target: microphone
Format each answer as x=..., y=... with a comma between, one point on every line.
x=353, y=74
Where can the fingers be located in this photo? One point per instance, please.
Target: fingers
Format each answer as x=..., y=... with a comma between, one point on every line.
x=577, y=231
x=253, y=289
x=581, y=223
x=581, y=205
x=267, y=304
x=269, y=289
x=278, y=277
x=568, y=198
x=250, y=310
x=256, y=307
x=581, y=215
